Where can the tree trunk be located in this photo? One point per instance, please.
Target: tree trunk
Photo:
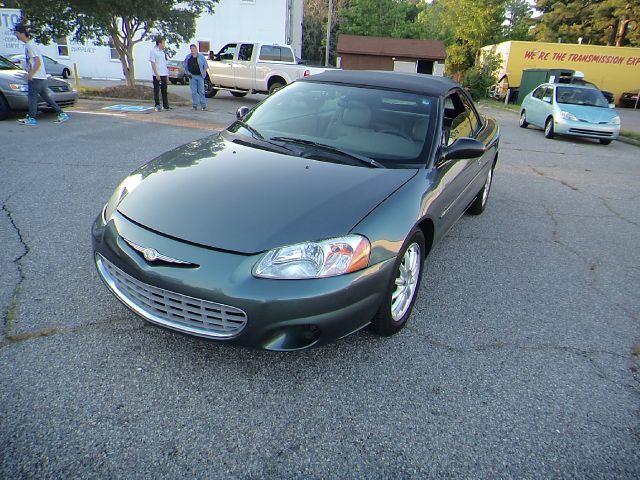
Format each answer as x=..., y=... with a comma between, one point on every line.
x=130, y=74
x=614, y=32
x=622, y=35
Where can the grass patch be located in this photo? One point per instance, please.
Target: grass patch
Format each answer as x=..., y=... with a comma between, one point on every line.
x=488, y=102
x=634, y=135
x=141, y=93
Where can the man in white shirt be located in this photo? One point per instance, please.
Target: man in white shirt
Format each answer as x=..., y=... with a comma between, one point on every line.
x=36, y=79
x=158, y=59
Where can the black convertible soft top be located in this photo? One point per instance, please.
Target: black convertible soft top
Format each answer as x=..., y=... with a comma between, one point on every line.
x=413, y=82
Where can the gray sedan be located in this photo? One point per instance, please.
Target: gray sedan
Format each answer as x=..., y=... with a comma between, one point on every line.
x=14, y=90
x=307, y=219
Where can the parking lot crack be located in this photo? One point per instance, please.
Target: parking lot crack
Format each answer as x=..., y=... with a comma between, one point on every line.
x=8, y=316
x=587, y=354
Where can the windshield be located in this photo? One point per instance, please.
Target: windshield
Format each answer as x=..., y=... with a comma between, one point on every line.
x=6, y=64
x=389, y=127
x=581, y=96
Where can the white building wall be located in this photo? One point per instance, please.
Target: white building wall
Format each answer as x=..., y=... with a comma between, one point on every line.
x=269, y=21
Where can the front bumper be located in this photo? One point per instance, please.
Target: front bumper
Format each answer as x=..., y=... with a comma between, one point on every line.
x=270, y=314
x=19, y=101
x=586, y=129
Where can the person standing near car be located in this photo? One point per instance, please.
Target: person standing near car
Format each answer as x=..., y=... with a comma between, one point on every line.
x=36, y=79
x=158, y=59
x=196, y=67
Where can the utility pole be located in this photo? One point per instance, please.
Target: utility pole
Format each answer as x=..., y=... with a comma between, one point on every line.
x=328, y=45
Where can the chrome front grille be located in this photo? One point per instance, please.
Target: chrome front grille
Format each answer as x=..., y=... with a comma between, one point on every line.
x=59, y=88
x=171, y=309
x=585, y=131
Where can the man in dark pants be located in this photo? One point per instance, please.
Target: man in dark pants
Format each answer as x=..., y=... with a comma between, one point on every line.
x=36, y=78
x=158, y=59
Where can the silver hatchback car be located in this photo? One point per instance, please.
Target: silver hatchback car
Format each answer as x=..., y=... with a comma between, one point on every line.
x=570, y=110
x=14, y=90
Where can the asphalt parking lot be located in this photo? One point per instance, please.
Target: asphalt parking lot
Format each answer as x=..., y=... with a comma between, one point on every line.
x=520, y=360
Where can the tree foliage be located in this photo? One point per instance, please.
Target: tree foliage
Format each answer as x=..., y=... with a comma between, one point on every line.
x=465, y=26
x=380, y=18
x=314, y=29
x=599, y=22
x=119, y=23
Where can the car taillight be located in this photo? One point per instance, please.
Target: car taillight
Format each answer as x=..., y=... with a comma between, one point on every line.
x=306, y=73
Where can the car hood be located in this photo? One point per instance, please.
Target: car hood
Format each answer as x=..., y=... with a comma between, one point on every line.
x=234, y=197
x=590, y=114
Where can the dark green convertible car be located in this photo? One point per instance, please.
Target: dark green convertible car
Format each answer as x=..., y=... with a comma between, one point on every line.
x=307, y=219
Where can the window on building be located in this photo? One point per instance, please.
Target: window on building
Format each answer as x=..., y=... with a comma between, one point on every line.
x=204, y=47
x=113, y=53
x=63, y=47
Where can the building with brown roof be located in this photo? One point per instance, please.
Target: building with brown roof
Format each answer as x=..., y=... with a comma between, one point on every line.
x=400, y=54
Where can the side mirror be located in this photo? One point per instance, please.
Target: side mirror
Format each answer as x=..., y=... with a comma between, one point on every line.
x=241, y=112
x=463, y=148
x=546, y=99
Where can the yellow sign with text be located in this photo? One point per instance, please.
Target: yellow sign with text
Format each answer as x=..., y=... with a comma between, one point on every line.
x=616, y=69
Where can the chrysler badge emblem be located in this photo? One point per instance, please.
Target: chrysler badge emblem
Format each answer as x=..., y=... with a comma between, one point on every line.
x=152, y=255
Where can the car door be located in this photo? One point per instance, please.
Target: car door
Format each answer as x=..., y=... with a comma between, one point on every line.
x=52, y=67
x=222, y=66
x=533, y=106
x=456, y=177
x=242, y=67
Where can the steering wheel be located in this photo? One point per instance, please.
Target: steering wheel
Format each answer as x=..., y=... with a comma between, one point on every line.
x=397, y=133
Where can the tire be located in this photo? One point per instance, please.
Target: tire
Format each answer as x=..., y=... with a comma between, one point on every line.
x=239, y=94
x=480, y=202
x=548, y=128
x=4, y=108
x=66, y=73
x=403, y=287
x=184, y=80
x=275, y=86
x=605, y=141
x=173, y=81
x=523, y=119
x=209, y=91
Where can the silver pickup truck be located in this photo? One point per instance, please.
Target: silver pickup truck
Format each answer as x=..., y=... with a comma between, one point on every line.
x=249, y=67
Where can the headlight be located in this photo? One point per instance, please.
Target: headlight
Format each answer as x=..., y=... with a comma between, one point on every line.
x=615, y=120
x=325, y=258
x=127, y=186
x=568, y=116
x=19, y=87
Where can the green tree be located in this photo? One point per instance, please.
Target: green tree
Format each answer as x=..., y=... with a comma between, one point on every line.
x=314, y=29
x=380, y=18
x=119, y=23
x=519, y=21
x=465, y=26
x=600, y=22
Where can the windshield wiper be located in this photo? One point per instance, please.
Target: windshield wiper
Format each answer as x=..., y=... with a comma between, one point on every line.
x=361, y=158
x=255, y=133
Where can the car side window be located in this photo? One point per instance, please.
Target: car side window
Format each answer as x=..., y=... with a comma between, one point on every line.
x=227, y=52
x=473, y=116
x=276, y=54
x=538, y=93
x=457, y=119
x=245, y=52
x=549, y=93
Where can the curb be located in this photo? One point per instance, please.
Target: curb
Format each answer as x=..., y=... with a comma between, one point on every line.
x=630, y=141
